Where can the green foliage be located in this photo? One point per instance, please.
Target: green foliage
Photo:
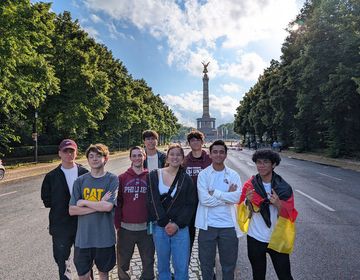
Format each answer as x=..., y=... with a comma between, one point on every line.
x=27, y=151
x=227, y=131
x=182, y=133
x=26, y=74
x=51, y=66
x=310, y=99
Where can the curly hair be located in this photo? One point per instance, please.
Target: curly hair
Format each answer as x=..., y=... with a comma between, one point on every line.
x=195, y=134
x=266, y=154
x=150, y=133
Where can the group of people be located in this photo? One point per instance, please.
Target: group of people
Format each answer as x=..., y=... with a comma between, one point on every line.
x=158, y=203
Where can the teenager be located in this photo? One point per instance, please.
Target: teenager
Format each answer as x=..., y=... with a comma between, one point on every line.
x=195, y=161
x=171, y=205
x=154, y=158
x=131, y=216
x=267, y=215
x=219, y=189
x=93, y=199
x=56, y=191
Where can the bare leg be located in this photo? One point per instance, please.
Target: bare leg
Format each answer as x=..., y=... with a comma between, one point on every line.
x=87, y=276
x=103, y=275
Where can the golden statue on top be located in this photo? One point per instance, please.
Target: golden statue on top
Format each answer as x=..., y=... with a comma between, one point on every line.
x=205, y=66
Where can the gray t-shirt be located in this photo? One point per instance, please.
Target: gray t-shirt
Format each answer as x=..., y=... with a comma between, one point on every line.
x=95, y=230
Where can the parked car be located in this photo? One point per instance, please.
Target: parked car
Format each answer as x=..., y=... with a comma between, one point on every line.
x=2, y=170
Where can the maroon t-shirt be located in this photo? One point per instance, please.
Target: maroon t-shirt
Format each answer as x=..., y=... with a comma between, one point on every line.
x=194, y=165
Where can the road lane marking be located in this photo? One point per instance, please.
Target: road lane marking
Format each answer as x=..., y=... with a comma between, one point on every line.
x=250, y=163
x=329, y=176
x=317, y=201
x=7, y=193
x=290, y=164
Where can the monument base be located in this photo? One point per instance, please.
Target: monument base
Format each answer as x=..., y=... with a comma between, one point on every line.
x=207, y=126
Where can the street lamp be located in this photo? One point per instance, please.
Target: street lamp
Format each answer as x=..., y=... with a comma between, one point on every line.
x=35, y=137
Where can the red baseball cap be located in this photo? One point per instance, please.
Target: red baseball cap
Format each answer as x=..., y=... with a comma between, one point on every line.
x=67, y=144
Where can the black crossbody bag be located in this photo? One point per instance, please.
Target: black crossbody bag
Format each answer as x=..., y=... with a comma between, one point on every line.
x=166, y=198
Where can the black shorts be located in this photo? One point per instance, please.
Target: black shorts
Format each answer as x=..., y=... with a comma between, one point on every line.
x=104, y=259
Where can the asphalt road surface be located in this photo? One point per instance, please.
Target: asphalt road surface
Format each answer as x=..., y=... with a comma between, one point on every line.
x=328, y=225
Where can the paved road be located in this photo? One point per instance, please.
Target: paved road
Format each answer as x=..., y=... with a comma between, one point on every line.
x=328, y=225
x=25, y=244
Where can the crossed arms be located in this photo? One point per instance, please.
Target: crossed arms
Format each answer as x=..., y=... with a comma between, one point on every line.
x=84, y=207
x=213, y=198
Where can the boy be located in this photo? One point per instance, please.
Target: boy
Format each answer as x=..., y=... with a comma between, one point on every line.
x=270, y=225
x=131, y=215
x=154, y=158
x=93, y=199
x=56, y=191
x=195, y=161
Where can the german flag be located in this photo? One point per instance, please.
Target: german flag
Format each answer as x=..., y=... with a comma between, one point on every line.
x=283, y=236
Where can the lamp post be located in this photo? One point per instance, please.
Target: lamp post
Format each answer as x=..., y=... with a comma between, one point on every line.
x=35, y=137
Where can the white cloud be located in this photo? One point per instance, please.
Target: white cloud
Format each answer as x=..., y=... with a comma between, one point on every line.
x=194, y=33
x=191, y=101
x=187, y=107
x=114, y=33
x=160, y=48
x=248, y=67
x=193, y=62
x=223, y=106
x=231, y=88
x=92, y=32
x=95, y=19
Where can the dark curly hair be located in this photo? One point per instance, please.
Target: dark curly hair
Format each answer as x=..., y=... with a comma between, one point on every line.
x=267, y=154
x=195, y=134
x=150, y=133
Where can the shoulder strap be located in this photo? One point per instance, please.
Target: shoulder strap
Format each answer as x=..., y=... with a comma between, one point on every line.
x=172, y=187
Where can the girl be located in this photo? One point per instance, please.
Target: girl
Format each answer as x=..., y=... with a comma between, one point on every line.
x=172, y=202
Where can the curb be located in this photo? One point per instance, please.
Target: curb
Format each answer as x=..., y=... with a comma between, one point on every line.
x=19, y=173
x=339, y=163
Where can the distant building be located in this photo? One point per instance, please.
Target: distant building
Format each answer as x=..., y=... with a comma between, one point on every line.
x=206, y=124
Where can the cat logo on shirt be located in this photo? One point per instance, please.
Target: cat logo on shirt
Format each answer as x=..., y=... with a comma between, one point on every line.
x=92, y=194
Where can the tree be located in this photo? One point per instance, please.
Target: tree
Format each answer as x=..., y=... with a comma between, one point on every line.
x=26, y=76
x=82, y=101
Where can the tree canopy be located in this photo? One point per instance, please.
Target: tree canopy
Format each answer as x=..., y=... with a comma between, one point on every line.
x=310, y=98
x=51, y=67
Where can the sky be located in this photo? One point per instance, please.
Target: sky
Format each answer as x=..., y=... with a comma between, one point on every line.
x=165, y=41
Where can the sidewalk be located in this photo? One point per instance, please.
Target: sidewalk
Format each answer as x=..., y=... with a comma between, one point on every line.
x=135, y=266
x=338, y=162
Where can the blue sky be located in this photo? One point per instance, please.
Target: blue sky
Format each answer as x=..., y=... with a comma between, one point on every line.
x=165, y=41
